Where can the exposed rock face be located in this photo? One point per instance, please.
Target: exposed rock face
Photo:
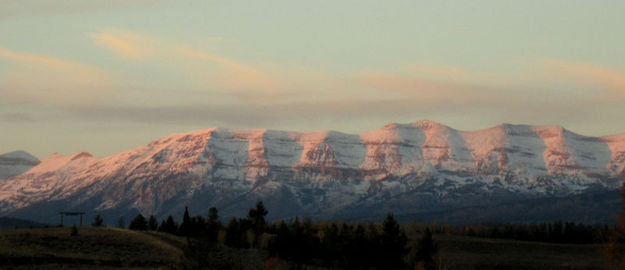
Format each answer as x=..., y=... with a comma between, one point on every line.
x=409, y=169
x=15, y=163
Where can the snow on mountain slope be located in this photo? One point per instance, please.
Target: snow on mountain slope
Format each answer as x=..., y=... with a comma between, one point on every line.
x=616, y=145
x=15, y=163
x=324, y=172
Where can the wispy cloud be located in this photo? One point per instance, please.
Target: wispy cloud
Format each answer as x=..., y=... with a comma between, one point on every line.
x=28, y=58
x=427, y=90
x=45, y=79
x=123, y=43
x=235, y=75
x=211, y=69
x=611, y=81
x=221, y=39
x=448, y=73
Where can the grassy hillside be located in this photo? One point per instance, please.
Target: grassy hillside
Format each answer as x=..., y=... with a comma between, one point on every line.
x=106, y=248
x=91, y=248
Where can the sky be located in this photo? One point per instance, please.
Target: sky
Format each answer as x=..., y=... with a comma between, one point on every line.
x=106, y=76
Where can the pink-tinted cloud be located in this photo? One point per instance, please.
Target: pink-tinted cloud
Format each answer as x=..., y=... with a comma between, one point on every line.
x=611, y=81
x=28, y=58
x=123, y=43
x=444, y=72
x=44, y=79
x=404, y=86
x=234, y=75
x=210, y=69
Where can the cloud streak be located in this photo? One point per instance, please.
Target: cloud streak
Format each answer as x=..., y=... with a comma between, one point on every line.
x=210, y=69
x=447, y=73
x=235, y=75
x=125, y=44
x=47, y=80
x=611, y=81
x=27, y=58
x=426, y=90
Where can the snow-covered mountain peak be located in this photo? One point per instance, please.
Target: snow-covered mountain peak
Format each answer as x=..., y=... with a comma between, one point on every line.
x=81, y=155
x=205, y=133
x=429, y=124
x=15, y=163
x=57, y=162
x=551, y=131
x=19, y=154
x=324, y=170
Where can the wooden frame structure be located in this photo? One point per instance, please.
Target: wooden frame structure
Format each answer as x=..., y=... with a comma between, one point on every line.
x=61, y=214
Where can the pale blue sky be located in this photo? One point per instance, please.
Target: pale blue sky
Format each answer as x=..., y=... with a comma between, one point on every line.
x=104, y=76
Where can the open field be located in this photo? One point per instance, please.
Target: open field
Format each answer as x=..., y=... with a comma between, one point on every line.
x=105, y=248
x=462, y=252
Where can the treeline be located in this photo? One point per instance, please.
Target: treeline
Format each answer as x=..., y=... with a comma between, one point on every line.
x=303, y=242
x=349, y=246
x=383, y=245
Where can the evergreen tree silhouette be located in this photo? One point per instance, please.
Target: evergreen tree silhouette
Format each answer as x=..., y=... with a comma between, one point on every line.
x=138, y=223
x=393, y=244
x=97, y=221
x=169, y=226
x=152, y=223
x=282, y=243
x=257, y=217
x=426, y=249
x=236, y=234
x=213, y=225
x=185, y=226
x=121, y=222
x=213, y=215
x=616, y=246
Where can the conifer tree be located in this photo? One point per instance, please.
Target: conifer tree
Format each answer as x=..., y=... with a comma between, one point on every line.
x=213, y=215
x=236, y=234
x=331, y=242
x=425, y=251
x=97, y=221
x=152, y=223
x=185, y=226
x=257, y=217
x=616, y=246
x=139, y=223
x=213, y=225
x=283, y=241
x=121, y=222
x=197, y=226
x=169, y=226
x=393, y=244
x=356, y=248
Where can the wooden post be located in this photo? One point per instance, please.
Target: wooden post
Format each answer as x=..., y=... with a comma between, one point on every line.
x=62, y=214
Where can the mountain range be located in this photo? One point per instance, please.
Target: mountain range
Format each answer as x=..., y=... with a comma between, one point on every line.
x=16, y=163
x=422, y=171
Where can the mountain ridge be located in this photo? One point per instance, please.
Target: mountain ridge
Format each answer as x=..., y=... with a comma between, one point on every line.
x=425, y=123
x=15, y=163
x=420, y=166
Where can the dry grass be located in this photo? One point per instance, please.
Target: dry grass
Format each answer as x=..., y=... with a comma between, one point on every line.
x=92, y=248
x=107, y=248
x=458, y=252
